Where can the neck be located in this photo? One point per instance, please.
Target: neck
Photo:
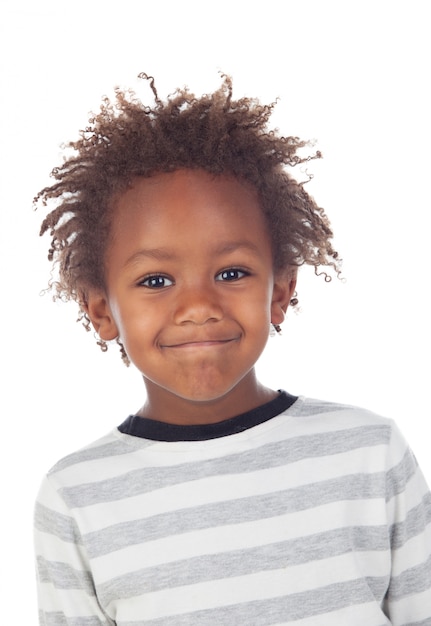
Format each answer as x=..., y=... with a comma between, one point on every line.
x=165, y=406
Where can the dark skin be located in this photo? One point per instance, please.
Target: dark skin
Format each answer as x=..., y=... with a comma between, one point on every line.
x=191, y=292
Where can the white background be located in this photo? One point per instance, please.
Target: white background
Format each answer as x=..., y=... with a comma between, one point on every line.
x=353, y=75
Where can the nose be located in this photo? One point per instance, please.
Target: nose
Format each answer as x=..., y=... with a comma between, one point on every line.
x=198, y=305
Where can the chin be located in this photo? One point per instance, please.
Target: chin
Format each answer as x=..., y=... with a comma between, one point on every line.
x=204, y=393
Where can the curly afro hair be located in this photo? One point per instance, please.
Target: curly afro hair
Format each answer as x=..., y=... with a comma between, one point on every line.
x=214, y=133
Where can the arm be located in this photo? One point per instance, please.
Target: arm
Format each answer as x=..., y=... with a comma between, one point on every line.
x=66, y=591
x=408, y=601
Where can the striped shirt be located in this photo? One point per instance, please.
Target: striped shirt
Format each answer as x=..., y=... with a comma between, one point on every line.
x=300, y=512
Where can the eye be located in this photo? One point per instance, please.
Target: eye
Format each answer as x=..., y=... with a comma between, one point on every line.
x=157, y=281
x=233, y=273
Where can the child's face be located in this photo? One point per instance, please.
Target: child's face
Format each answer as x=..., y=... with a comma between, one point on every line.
x=190, y=287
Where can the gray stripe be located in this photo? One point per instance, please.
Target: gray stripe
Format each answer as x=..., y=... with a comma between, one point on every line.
x=292, y=607
x=117, y=536
x=58, y=619
x=63, y=576
x=399, y=476
x=416, y=521
x=114, y=448
x=244, y=562
x=62, y=526
x=414, y=580
x=271, y=455
x=425, y=622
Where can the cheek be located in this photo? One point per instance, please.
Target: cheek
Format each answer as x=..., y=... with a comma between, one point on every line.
x=257, y=308
x=131, y=322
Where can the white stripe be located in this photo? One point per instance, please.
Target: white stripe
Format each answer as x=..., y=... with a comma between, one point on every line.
x=368, y=614
x=49, y=498
x=414, y=608
x=54, y=549
x=412, y=553
x=232, y=591
x=235, y=537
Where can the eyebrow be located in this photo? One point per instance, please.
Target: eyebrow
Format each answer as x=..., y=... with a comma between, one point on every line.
x=160, y=254
x=232, y=246
x=164, y=254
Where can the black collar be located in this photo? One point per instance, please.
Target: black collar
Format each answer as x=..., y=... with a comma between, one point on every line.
x=161, y=431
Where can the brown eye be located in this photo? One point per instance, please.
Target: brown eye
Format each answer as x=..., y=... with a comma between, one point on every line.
x=157, y=281
x=232, y=273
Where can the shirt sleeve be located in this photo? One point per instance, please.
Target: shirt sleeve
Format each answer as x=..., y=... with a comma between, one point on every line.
x=408, y=600
x=66, y=591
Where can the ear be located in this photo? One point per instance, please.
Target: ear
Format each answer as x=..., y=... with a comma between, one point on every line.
x=97, y=307
x=284, y=288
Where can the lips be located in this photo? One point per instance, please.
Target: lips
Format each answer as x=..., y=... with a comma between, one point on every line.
x=203, y=342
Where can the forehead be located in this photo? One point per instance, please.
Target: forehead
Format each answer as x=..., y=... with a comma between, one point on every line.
x=192, y=202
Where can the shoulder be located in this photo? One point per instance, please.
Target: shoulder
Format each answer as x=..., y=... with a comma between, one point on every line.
x=309, y=407
x=99, y=450
x=98, y=460
x=348, y=427
x=324, y=415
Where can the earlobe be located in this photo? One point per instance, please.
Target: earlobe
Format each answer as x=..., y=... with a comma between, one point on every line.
x=284, y=288
x=98, y=310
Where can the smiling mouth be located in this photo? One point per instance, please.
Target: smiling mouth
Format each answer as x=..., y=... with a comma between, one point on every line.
x=208, y=343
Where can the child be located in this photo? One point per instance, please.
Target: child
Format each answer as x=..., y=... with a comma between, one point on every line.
x=178, y=232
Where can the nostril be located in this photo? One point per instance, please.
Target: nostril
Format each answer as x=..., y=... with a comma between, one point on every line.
x=199, y=307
